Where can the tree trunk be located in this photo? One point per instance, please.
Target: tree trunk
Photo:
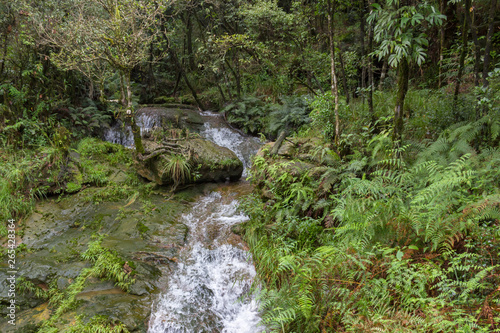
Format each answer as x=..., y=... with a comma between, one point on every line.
x=489, y=37
x=335, y=90
x=383, y=74
x=189, y=41
x=277, y=144
x=221, y=93
x=226, y=82
x=371, y=83
x=344, y=78
x=475, y=39
x=362, y=40
x=461, y=62
x=177, y=81
x=193, y=92
x=235, y=72
x=318, y=83
x=131, y=115
x=442, y=8
x=403, y=72
x=123, y=99
x=186, y=80
x=4, y=58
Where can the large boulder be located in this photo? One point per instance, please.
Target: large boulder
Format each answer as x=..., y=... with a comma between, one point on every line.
x=204, y=160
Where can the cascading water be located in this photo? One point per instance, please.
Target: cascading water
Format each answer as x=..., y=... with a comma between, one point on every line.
x=220, y=134
x=209, y=291
x=121, y=134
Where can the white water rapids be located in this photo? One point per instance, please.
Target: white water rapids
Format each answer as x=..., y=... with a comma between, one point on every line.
x=209, y=290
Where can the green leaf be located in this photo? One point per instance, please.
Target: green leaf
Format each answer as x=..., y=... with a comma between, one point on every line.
x=399, y=255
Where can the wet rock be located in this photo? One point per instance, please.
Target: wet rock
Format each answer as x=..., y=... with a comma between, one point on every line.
x=37, y=272
x=131, y=310
x=174, y=115
x=59, y=231
x=62, y=283
x=287, y=149
x=265, y=149
x=141, y=288
x=209, y=162
x=27, y=321
x=23, y=301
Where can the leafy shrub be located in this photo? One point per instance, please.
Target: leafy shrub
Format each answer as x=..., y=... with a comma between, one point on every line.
x=97, y=156
x=290, y=115
x=253, y=115
x=98, y=150
x=247, y=114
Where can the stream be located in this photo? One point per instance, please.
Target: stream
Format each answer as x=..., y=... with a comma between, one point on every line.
x=209, y=291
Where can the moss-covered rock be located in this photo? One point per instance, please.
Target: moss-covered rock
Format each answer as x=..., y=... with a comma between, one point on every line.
x=204, y=161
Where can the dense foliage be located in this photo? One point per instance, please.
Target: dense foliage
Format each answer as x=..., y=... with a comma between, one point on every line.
x=383, y=240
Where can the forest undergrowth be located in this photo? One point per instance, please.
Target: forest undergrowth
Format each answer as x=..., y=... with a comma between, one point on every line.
x=376, y=237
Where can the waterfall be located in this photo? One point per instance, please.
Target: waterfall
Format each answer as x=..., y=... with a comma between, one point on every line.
x=122, y=134
x=243, y=146
x=210, y=289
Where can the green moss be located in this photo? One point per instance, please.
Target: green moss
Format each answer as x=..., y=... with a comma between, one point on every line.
x=112, y=192
x=164, y=100
x=73, y=187
x=142, y=228
x=97, y=150
x=99, y=323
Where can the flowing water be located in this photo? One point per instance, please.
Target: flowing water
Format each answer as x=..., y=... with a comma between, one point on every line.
x=209, y=291
x=216, y=130
x=122, y=135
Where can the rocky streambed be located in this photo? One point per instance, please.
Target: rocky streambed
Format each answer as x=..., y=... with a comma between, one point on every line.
x=189, y=272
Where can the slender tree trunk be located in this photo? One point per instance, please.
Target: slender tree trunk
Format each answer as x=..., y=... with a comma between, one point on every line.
x=344, y=78
x=186, y=80
x=362, y=40
x=236, y=75
x=335, y=89
x=130, y=114
x=371, y=83
x=475, y=39
x=383, y=73
x=189, y=41
x=228, y=86
x=403, y=75
x=193, y=91
x=91, y=90
x=151, y=82
x=442, y=8
x=4, y=58
x=221, y=93
x=489, y=38
x=461, y=62
x=123, y=99
x=177, y=81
